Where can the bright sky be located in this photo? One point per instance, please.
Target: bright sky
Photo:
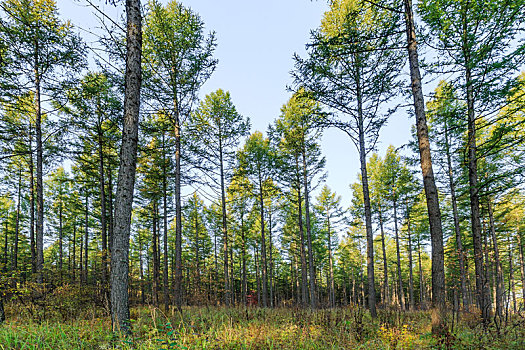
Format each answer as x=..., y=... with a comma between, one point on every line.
x=256, y=42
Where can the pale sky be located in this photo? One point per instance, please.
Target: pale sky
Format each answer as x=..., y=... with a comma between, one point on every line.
x=256, y=41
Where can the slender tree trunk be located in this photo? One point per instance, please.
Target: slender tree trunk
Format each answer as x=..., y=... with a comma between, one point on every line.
x=111, y=223
x=313, y=298
x=263, y=248
x=165, y=226
x=386, y=298
x=128, y=163
x=330, y=264
x=421, y=285
x=500, y=283
x=60, y=241
x=6, y=239
x=74, y=249
x=431, y=194
x=512, y=284
x=39, y=175
x=244, y=278
x=410, y=262
x=86, y=233
x=178, y=213
x=459, y=243
x=368, y=212
x=155, y=290
x=17, y=224
x=522, y=262
x=32, y=203
x=227, y=291
x=2, y=312
x=304, y=278
x=271, y=253
x=103, y=221
x=401, y=293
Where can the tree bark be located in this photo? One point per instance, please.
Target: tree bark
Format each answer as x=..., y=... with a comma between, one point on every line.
x=368, y=212
x=459, y=243
x=264, y=274
x=227, y=291
x=178, y=213
x=401, y=293
x=431, y=194
x=126, y=178
x=165, y=227
x=155, y=291
x=86, y=233
x=32, y=203
x=17, y=224
x=500, y=283
x=386, y=298
x=304, y=278
x=39, y=175
x=410, y=263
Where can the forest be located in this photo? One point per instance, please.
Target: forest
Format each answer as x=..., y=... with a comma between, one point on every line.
x=136, y=213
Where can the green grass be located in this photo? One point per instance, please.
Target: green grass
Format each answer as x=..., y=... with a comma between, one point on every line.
x=252, y=328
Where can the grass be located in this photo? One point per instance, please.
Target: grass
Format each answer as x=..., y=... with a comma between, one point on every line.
x=252, y=328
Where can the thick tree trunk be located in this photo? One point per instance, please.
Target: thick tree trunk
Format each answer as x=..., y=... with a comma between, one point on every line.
x=126, y=178
x=431, y=194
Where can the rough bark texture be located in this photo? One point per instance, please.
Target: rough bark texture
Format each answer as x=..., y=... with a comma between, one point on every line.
x=431, y=194
x=126, y=176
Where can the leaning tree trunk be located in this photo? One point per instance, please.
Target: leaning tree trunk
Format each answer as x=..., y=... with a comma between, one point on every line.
x=126, y=177
x=431, y=194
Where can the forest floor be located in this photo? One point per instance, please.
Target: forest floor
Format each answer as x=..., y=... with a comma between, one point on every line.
x=250, y=328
